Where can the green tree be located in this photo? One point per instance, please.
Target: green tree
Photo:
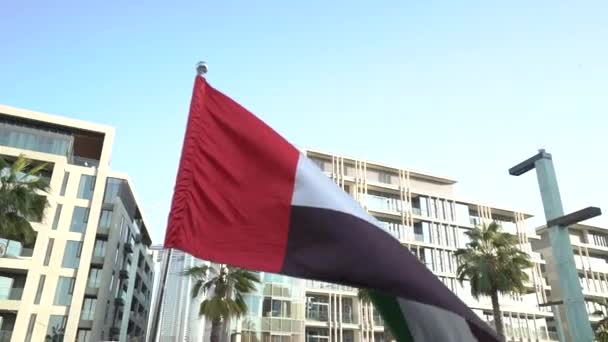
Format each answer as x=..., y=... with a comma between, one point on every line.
x=365, y=297
x=21, y=198
x=223, y=290
x=493, y=264
x=601, y=327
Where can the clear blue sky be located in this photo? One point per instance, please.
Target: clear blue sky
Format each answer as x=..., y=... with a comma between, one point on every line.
x=463, y=89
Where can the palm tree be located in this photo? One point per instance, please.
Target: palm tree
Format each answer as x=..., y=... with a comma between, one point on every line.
x=365, y=297
x=21, y=199
x=494, y=264
x=226, y=288
x=601, y=327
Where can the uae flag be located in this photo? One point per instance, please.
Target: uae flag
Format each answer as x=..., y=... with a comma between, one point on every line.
x=245, y=196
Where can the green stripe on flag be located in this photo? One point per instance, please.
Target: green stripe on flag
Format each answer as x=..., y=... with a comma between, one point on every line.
x=392, y=315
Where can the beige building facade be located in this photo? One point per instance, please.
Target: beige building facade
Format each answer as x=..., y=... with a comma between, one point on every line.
x=88, y=277
x=425, y=214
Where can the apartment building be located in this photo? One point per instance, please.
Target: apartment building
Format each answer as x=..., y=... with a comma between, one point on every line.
x=88, y=276
x=178, y=318
x=590, y=248
x=423, y=212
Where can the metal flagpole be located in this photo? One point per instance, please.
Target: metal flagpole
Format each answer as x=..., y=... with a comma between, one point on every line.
x=201, y=69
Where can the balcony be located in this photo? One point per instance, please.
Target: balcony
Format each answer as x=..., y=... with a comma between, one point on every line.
x=123, y=274
x=114, y=331
x=315, y=315
x=91, y=291
x=85, y=324
x=14, y=293
x=97, y=260
x=103, y=232
x=119, y=301
x=128, y=247
x=14, y=249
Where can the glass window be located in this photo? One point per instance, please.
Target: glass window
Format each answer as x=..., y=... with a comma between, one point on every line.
x=440, y=213
x=426, y=232
x=40, y=288
x=57, y=215
x=112, y=189
x=86, y=186
x=49, y=251
x=30, y=327
x=94, y=278
x=71, y=256
x=100, y=248
x=418, y=234
x=105, y=218
x=83, y=335
x=80, y=217
x=65, y=289
x=6, y=284
x=348, y=315
x=56, y=327
x=462, y=215
x=88, y=309
x=64, y=185
x=348, y=336
x=384, y=177
x=423, y=206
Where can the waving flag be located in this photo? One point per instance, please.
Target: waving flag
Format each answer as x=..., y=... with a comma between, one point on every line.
x=245, y=196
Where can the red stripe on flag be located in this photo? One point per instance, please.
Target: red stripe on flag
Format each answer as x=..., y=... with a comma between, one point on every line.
x=234, y=186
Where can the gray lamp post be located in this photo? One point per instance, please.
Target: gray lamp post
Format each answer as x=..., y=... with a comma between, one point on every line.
x=557, y=224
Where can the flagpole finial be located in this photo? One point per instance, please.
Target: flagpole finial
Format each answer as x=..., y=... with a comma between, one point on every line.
x=201, y=68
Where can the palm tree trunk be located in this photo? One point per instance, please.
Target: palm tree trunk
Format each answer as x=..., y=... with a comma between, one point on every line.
x=216, y=330
x=497, y=316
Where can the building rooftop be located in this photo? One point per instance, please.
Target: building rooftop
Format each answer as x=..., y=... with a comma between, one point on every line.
x=388, y=167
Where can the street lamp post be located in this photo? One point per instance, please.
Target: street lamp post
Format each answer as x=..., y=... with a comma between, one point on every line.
x=579, y=327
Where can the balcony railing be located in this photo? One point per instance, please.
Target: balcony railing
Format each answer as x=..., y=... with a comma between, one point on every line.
x=14, y=293
x=321, y=316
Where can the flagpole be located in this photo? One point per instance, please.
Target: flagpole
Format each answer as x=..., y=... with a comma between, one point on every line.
x=201, y=70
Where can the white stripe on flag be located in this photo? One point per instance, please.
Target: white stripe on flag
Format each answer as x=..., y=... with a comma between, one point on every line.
x=314, y=189
x=428, y=323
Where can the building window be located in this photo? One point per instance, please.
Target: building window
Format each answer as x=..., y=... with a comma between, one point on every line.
x=317, y=334
x=40, y=288
x=94, y=278
x=71, y=257
x=57, y=215
x=56, y=328
x=88, y=309
x=86, y=187
x=49, y=251
x=424, y=211
x=105, y=219
x=348, y=315
x=320, y=163
x=418, y=234
x=83, y=335
x=317, y=308
x=100, y=248
x=384, y=177
x=30, y=327
x=348, y=336
x=64, y=292
x=64, y=184
x=80, y=218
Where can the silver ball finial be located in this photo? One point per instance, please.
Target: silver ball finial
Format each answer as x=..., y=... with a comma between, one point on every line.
x=201, y=68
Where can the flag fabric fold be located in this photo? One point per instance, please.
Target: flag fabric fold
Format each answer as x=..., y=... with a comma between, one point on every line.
x=246, y=197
